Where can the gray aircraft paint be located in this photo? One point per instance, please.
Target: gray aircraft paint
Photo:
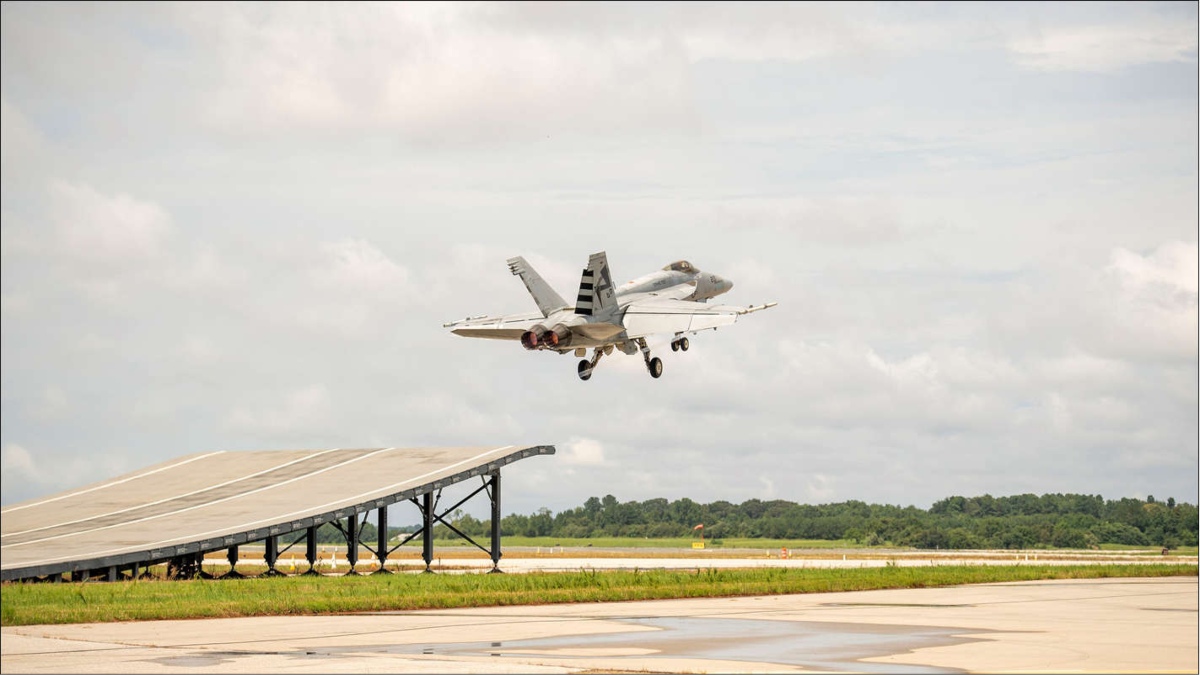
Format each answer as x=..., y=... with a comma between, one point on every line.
x=672, y=300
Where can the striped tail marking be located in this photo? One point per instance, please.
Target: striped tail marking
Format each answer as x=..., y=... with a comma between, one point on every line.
x=587, y=293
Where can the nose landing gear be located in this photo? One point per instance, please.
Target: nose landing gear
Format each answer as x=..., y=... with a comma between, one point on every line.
x=680, y=344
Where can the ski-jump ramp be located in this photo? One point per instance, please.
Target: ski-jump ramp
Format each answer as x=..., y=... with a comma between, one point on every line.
x=180, y=509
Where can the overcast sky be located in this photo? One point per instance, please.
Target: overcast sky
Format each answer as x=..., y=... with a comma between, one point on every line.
x=233, y=227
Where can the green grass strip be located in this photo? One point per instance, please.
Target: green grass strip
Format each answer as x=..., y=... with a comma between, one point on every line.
x=26, y=604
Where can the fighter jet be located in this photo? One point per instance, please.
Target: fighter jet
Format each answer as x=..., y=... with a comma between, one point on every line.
x=672, y=300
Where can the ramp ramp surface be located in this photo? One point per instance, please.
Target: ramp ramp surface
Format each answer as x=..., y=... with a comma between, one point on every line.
x=209, y=501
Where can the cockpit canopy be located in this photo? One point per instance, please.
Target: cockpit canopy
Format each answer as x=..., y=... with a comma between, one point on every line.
x=680, y=266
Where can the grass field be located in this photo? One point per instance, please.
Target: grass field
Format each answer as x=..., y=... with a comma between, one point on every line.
x=25, y=604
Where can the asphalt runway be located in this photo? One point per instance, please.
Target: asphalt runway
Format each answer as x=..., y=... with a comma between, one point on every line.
x=1098, y=625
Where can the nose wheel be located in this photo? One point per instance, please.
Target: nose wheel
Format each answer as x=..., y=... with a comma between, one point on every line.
x=681, y=344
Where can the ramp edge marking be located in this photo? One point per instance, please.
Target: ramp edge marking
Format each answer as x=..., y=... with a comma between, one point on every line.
x=167, y=499
x=192, y=508
x=105, y=485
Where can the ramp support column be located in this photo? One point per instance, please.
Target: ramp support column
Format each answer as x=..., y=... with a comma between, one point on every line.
x=381, y=541
x=496, y=521
x=427, y=532
x=200, y=567
x=310, y=551
x=271, y=555
x=352, y=542
x=232, y=556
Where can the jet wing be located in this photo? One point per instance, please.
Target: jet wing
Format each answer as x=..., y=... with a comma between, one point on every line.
x=509, y=327
x=660, y=315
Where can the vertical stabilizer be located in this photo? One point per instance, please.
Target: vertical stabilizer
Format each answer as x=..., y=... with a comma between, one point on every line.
x=548, y=301
x=596, y=296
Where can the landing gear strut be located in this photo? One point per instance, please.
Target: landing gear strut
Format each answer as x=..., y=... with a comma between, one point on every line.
x=654, y=365
x=586, y=367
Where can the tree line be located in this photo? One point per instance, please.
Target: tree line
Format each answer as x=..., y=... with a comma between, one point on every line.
x=1018, y=521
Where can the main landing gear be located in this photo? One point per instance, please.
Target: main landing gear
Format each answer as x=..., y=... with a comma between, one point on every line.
x=586, y=367
x=654, y=365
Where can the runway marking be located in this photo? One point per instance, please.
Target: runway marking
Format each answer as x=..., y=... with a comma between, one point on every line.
x=278, y=518
x=105, y=485
x=167, y=499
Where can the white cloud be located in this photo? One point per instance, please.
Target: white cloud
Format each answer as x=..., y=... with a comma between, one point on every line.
x=51, y=404
x=819, y=488
x=357, y=266
x=354, y=288
x=582, y=452
x=1152, y=306
x=198, y=351
x=19, y=465
x=768, y=487
x=111, y=231
x=1172, y=266
x=436, y=74
x=1107, y=47
x=839, y=220
x=207, y=270
x=21, y=145
x=13, y=304
x=26, y=473
x=758, y=32
x=299, y=413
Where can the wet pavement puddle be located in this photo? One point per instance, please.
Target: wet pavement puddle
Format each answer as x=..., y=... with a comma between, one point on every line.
x=808, y=644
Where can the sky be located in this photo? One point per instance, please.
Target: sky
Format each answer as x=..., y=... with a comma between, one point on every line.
x=242, y=226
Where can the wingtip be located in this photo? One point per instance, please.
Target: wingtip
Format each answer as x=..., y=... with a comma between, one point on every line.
x=758, y=308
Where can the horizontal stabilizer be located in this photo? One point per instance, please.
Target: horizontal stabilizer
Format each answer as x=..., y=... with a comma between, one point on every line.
x=509, y=327
x=490, y=333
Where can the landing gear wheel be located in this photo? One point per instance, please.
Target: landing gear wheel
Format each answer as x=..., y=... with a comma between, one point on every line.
x=656, y=367
x=675, y=345
x=585, y=370
x=683, y=344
